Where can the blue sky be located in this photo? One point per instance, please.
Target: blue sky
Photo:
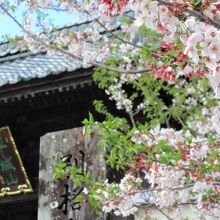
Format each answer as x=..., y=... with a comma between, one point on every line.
x=7, y=26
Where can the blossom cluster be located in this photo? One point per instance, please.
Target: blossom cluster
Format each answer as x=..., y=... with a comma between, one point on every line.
x=185, y=180
x=201, y=48
x=189, y=28
x=122, y=201
x=119, y=96
x=181, y=166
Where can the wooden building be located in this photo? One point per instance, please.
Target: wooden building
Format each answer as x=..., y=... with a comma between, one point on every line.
x=40, y=93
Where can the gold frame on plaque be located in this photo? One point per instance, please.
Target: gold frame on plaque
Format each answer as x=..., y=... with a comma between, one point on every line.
x=24, y=188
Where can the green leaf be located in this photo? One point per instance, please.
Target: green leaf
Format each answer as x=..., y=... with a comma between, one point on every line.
x=79, y=199
x=196, y=2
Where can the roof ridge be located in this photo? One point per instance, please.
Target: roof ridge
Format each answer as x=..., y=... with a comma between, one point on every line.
x=18, y=56
x=56, y=29
x=10, y=46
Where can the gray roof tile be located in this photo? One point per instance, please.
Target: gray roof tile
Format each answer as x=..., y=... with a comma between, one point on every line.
x=37, y=66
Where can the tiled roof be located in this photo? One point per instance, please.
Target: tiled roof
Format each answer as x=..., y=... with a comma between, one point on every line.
x=36, y=66
x=17, y=65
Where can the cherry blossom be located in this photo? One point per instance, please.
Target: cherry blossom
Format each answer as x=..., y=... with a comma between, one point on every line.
x=173, y=41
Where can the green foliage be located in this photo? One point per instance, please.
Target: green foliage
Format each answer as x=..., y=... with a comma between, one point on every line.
x=143, y=30
x=154, y=102
x=89, y=125
x=167, y=153
x=212, y=139
x=127, y=21
x=59, y=170
x=185, y=218
x=196, y=2
x=211, y=196
x=115, y=135
x=79, y=199
x=102, y=109
x=163, y=102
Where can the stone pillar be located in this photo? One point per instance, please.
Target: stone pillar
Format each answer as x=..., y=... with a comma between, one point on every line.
x=52, y=146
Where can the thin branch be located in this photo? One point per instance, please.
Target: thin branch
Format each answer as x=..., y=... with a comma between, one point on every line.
x=187, y=203
x=160, y=189
x=111, y=33
x=100, y=23
x=216, y=183
x=117, y=37
x=180, y=121
x=97, y=21
x=196, y=14
x=145, y=205
x=172, y=189
x=168, y=121
x=53, y=9
x=162, y=212
x=36, y=39
x=138, y=110
x=128, y=16
x=132, y=119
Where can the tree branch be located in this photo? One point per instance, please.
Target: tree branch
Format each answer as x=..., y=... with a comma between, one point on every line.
x=111, y=33
x=196, y=14
x=97, y=21
x=117, y=37
x=172, y=189
x=168, y=121
x=132, y=119
x=162, y=212
x=36, y=39
x=180, y=121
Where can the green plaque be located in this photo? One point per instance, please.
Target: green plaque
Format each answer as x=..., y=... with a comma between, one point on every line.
x=13, y=177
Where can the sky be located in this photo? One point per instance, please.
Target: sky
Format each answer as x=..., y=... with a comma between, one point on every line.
x=8, y=27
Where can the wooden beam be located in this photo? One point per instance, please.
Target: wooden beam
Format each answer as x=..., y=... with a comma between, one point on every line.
x=19, y=198
x=32, y=87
